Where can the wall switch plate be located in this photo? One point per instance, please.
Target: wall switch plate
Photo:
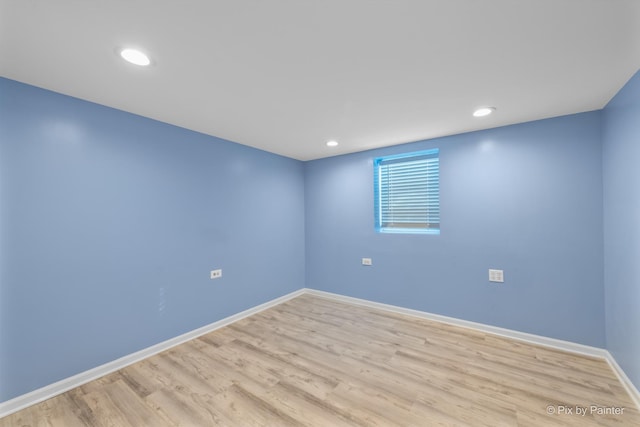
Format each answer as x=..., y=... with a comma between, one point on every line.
x=216, y=274
x=496, y=276
x=366, y=261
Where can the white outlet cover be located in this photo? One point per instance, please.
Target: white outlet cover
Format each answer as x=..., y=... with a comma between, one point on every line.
x=496, y=276
x=366, y=261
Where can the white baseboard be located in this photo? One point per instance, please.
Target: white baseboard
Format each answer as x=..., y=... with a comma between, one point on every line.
x=557, y=344
x=52, y=390
x=624, y=379
x=10, y=406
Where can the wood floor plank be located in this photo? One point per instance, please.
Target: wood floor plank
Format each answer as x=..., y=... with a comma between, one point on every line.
x=314, y=361
x=247, y=408
x=308, y=409
x=57, y=411
x=117, y=405
x=182, y=408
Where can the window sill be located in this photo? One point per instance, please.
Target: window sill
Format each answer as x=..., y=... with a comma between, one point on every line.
x=408, y=231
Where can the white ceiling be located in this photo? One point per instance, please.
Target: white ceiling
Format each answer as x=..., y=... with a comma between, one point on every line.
x=287, y=75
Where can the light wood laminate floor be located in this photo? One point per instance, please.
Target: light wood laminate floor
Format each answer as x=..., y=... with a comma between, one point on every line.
x=317, y=362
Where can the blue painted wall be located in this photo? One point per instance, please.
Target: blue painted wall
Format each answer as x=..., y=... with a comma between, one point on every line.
x=525, y=198
x=621, y=157
x=110, y=223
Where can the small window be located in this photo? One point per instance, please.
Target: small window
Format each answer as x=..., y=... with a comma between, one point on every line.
x=407, y=193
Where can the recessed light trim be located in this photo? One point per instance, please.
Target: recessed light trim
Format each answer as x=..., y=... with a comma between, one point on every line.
x=483, y=111
x=135, y=56
x=332, y=143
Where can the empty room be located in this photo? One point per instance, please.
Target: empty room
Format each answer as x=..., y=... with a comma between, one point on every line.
x=327, y=213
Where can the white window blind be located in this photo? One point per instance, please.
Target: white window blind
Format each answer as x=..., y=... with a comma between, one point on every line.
x=407, y=192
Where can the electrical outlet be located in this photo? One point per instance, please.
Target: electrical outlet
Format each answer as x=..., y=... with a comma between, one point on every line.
x=496, y=276
x=216, y=274
x=366, y=261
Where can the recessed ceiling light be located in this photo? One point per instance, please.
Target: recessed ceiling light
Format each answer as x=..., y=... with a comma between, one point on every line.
x=484, y=111
x=135, y=57
x=332, y=143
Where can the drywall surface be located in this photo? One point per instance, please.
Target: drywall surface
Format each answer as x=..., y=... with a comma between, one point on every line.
x=110, y=224
x=526, y=199
x=621, y=157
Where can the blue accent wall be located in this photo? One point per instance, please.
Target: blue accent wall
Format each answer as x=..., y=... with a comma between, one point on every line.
x=525, y=198
x=621, y=160
x=110, y=224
